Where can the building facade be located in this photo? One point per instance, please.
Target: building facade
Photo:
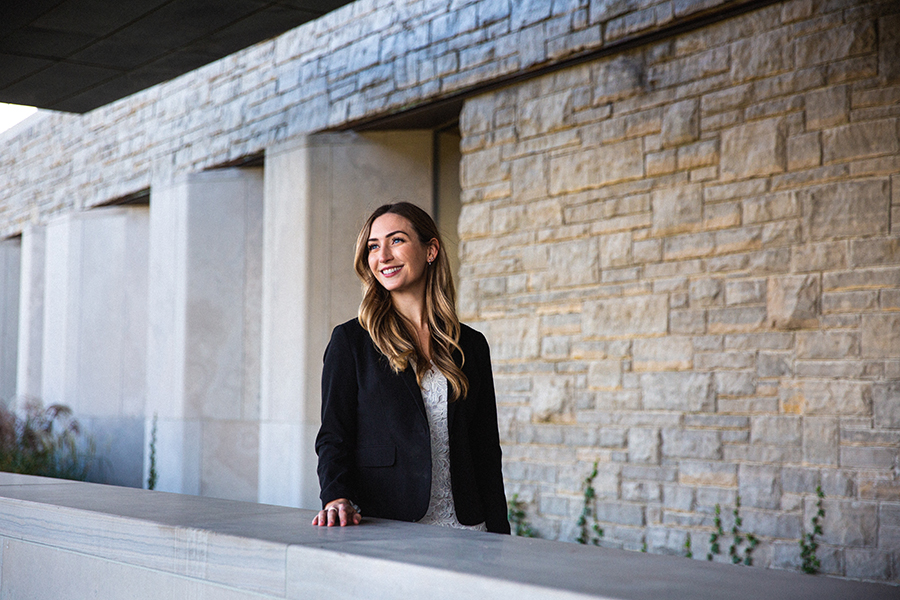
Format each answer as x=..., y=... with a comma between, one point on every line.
x=677, y=225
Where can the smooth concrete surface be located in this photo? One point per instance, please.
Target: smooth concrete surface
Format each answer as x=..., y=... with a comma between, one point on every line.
x=31, y=313
x=10, y=260
x=86, y=276
x=111, y=542
x=318, y=192
x=203, y=335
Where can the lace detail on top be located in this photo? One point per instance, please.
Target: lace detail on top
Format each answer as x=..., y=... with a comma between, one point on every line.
x=441, y=510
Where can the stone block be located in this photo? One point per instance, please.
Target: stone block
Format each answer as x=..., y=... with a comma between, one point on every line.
x=625, y=317
x=799, y=480
x=889, y=49
x=615, y=250
x=681, y=123
x=821, y=441
x=691, y=392
x=827, y=107
x=736, y=320
x=621, y=513
x=661, y=163
x=641, y=491
x=772, y=524
x=677, y=209
x=706, y=473
x=668, y=353
x=854, y=208
x=804, y=151
x=529, y=178
x=776, y=429
x=753, y=149
x=834, y=44
x=773, y=364
x=860, y=140
x=596, y=167
x=572, y=263
x=877, y=251
x=770, y=207
x=886, y=405
x=820, y=256
x=552, y=399
x=843, y=398
x=760, y=486
x=605, y=375
x=792, y=302
x=706, y=292
x=847, y=522
x=762, y=55
x=880, y=335
x=868, y=457
x=870, y=564
x=752, y=291
x=643, y=445
x=700, y=154
x=691, y=443
x=512, y=338
x=678, y=497
x=827, y=344
x=620, y=77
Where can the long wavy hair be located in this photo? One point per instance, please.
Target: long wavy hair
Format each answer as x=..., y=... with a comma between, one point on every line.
x=393, y=334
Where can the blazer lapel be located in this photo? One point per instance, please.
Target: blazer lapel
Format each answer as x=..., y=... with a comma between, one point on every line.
x=409, y=378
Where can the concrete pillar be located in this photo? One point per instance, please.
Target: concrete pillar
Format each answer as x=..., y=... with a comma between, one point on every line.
x=318, y=192
x=10, y=258
x=203, y=343
x=94, y=331
x=31, y=313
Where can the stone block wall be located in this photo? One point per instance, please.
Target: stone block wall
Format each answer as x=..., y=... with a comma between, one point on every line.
x=686, y=259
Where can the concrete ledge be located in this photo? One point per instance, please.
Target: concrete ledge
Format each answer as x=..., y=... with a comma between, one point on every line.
x=75, y=540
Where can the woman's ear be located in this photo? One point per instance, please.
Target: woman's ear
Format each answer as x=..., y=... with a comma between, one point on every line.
x=433, y=249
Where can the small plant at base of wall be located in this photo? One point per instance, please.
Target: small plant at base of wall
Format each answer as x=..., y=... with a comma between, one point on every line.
x=45, y=441
x=153, y=476
x=517, y=518
x=589, y=533
x=808, y=544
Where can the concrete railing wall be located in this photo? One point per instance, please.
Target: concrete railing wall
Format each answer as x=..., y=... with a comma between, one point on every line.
x=78, y=541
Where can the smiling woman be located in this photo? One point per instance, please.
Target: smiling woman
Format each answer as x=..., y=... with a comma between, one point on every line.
x=13, y=114
x=409, y=417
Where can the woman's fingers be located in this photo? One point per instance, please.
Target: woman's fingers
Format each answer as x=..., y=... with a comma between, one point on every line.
x=337, y=513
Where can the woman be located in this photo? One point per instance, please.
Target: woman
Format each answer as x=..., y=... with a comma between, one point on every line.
x=409, y=418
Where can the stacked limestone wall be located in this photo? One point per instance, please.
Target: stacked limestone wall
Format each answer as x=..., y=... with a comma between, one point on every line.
x=367, y=59
x=686, y=257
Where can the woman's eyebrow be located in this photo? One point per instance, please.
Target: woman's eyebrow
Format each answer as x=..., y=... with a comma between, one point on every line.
x=371, y=239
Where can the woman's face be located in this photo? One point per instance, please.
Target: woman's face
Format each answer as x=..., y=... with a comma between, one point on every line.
x=396, y=256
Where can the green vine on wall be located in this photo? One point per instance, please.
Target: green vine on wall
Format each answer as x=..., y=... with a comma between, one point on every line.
x=734, y=550
x=593, y=532
x=808, y=543
x=517, y=519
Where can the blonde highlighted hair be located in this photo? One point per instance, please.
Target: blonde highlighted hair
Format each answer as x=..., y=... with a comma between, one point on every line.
x=391, y=333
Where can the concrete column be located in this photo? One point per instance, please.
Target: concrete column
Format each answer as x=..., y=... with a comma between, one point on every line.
x=203, y=344
x=318, y=192
x=10, y=258
x=94, y=331
x=31, y=313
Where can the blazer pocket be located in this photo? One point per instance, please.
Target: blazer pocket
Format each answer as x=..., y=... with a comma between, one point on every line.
x=376, y=456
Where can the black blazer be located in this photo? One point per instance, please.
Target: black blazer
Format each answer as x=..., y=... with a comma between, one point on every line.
x=374, y=445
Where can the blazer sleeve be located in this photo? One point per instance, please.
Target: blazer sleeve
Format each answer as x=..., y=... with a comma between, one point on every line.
x=336, y=440
x=488, y=455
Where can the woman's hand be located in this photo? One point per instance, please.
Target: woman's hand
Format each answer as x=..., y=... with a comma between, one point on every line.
x=337, y=512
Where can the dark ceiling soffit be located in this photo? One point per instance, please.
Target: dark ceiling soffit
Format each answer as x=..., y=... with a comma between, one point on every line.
x=433, y=114
x=78, y=55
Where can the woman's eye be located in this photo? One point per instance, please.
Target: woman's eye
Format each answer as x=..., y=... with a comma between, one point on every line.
x=396, y=240
x=373, y=247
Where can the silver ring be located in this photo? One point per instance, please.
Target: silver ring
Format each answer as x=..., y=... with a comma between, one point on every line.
x=332, y=508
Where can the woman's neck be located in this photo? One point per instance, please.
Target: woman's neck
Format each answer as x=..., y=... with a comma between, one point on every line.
x=412, y=309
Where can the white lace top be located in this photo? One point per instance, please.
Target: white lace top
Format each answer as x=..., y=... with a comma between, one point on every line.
x=441, y=510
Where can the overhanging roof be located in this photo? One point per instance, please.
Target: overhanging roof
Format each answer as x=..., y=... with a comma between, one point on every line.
x=77, y=55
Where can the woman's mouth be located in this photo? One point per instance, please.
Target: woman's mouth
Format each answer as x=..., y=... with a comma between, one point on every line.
x=390, y=271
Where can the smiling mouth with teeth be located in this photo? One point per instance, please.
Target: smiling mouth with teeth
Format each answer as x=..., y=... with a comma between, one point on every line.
x=390, y=271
